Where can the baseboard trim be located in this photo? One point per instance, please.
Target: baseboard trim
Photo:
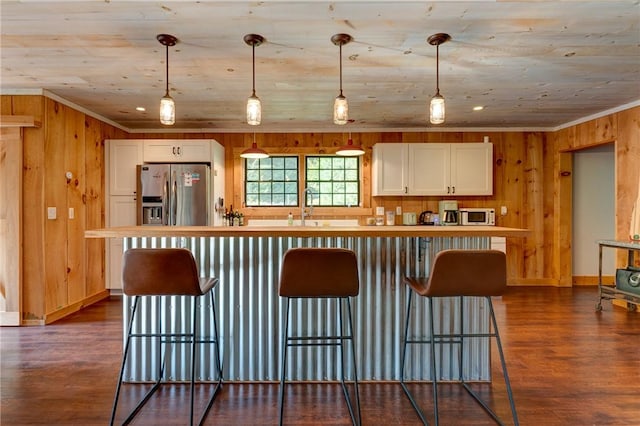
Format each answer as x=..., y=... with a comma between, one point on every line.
x=75, y=307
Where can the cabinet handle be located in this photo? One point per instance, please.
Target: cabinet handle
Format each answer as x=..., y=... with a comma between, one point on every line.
x=179, y=151
x=405, y=190
x=174, y=150
x=454, y=190
x=448, y=190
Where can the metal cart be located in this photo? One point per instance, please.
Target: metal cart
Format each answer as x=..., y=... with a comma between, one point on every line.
x=611, y=292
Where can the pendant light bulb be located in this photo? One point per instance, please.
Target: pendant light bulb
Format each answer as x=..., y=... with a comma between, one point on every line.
x=167, y=110
x=254, y=106
x=340, y=110
x=167, y=104
x=340, y=105
x=436, y=107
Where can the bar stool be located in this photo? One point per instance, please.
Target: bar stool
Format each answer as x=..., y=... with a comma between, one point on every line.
x=459, y=273
x=167, y=272
x=313, y=273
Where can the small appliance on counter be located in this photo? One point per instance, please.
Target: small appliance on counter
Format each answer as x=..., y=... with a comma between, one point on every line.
x=409, y=218
x=448, y=211
x=426, y=218
x=477, y=216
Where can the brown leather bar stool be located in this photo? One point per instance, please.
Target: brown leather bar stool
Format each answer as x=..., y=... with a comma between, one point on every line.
x=321, y=273
x=459, y=273
x=167, y=272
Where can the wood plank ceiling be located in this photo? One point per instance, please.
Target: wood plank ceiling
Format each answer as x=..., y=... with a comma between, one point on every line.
x=531, y=64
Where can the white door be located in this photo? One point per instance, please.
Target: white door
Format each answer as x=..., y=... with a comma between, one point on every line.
x=124, y=156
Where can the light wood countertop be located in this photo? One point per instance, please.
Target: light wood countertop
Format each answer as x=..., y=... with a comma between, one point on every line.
x=306, y=231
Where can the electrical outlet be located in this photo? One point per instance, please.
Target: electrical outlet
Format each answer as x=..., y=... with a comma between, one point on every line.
x=398, y=210
x=503, y=211
x=380, y=211
x=51, y=213
x=72, y=213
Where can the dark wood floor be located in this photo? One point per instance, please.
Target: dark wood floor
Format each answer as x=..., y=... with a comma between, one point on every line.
x=569, y=365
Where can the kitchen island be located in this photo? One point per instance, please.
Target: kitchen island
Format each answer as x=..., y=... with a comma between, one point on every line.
x=247, y=262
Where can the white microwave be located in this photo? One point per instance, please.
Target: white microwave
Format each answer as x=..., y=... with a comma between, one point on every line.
x=477, y=216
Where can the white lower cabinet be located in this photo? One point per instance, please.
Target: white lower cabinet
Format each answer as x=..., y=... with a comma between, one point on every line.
x=432, y=169
x=122, y=212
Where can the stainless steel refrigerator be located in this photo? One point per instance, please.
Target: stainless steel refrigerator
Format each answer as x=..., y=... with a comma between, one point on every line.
x=173, y=194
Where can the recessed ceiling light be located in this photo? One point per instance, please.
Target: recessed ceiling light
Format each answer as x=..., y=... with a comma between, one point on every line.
x=478, y=108
x=141, y=109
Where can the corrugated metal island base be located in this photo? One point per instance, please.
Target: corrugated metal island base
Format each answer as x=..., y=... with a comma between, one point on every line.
x=250, y=312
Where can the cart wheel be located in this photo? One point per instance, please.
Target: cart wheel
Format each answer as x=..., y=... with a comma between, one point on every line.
x=631, y=307
x=598, y=306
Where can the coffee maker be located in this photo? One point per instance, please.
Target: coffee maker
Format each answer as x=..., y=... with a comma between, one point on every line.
x=448, y=212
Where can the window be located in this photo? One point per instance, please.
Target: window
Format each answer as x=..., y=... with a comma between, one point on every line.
x=271, y=181
x=335, y=181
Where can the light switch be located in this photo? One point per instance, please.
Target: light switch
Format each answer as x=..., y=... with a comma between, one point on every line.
x=380, y=211
x=51, y=213
x=72, y=213
x=398, y=210
x=503, y=211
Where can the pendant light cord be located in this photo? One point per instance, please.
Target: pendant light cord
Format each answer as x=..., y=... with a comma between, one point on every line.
x=438, y=69
x=167, y=65
x=254, y=69
x=341, y=69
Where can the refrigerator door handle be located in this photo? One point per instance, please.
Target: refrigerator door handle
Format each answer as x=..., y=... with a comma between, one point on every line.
x=165, y=201
x=174, y=200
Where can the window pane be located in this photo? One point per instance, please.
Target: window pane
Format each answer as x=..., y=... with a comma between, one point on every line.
x=336, y=179
x=351, y=175
x=267, y=181
x=278, y=175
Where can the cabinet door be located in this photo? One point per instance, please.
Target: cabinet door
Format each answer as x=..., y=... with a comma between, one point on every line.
x=429, y=169
x=124, y=156
x=160, y=151
x=177, y=151
x=389, y=171
x=122, y=212
x=472, y=168
x=195, y=152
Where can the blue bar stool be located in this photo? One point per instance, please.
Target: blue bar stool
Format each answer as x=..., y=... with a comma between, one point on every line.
x=459, y=273
x=167, y=272
x=321, y=273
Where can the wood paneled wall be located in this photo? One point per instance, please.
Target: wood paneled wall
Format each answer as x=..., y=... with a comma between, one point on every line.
x=63, y=271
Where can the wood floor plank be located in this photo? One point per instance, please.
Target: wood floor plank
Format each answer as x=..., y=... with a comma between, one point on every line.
x=569, y=365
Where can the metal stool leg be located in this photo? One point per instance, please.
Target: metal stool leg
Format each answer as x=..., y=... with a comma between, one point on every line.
x=434, y=372
x=218, y=363
x=283, y=367
x=124, y=360
x=404, y=356
x=354, y=420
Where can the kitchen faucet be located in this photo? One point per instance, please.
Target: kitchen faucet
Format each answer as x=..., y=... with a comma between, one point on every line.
x=304, y=213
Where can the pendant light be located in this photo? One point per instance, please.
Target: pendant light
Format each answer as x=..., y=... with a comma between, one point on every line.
x=340, y=106
x=350, y=150
x=167, y=104
x=436, y=109
x=254, y=151
x=254, y=108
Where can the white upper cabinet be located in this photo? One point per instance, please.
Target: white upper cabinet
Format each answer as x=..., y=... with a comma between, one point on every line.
x=471, y=169
x=176, y=151
x=389, y=169
x=432, y=169
x=124, y=156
